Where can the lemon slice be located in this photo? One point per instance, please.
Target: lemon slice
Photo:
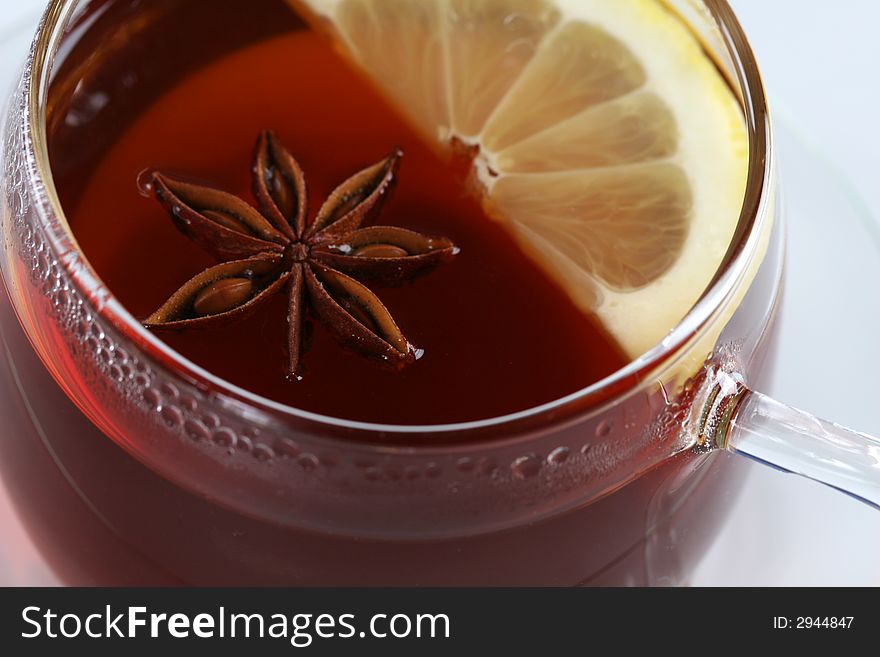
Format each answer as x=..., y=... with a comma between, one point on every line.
x=605, y=138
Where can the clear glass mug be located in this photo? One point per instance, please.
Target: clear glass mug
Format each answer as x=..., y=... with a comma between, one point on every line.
x=129, y=464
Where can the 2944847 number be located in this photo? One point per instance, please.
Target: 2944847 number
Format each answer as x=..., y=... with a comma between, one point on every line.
x=813, y=622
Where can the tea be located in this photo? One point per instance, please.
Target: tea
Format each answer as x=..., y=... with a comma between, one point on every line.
x=117, y=490
x=498, y=336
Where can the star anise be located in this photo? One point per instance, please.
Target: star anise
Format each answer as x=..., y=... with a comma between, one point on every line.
x=274, y=249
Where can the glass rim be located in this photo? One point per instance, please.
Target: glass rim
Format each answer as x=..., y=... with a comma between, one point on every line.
x=744, y=244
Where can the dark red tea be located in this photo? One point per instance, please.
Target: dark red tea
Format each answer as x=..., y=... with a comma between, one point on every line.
x=498, y=336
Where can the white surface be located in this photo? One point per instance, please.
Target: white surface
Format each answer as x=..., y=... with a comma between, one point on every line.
x=785, y=530
x=819, y=64
x=819, y=61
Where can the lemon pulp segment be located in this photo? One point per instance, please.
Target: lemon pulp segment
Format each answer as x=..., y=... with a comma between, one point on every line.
x=606, y=139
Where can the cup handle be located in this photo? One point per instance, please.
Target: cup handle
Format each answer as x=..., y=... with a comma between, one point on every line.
x=742, y=421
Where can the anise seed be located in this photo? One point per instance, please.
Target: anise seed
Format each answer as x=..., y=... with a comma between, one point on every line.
x=357, y=311
x=228, y=221
x=347, y=204
x=284, y=195
x=222, y=296
x=380, y=251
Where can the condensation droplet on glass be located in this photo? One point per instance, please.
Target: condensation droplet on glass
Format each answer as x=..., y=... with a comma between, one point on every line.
x=263, y=452
x=465, y=464
x=558, y=456
x=196, y=430
x=488, y=466
x=211, y=420
x=172, y=416
x=169, y=390
x=225, y=437
x=286, y=447
x=605, y=427
x=526, y=466
x=393, y=473
x=153, y=398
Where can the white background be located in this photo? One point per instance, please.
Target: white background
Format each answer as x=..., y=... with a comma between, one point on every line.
x=820, y=62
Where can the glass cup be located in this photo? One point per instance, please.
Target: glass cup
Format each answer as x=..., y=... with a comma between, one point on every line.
x=130, y=465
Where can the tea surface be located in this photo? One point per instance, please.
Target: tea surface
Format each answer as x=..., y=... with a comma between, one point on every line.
x=498, y=336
